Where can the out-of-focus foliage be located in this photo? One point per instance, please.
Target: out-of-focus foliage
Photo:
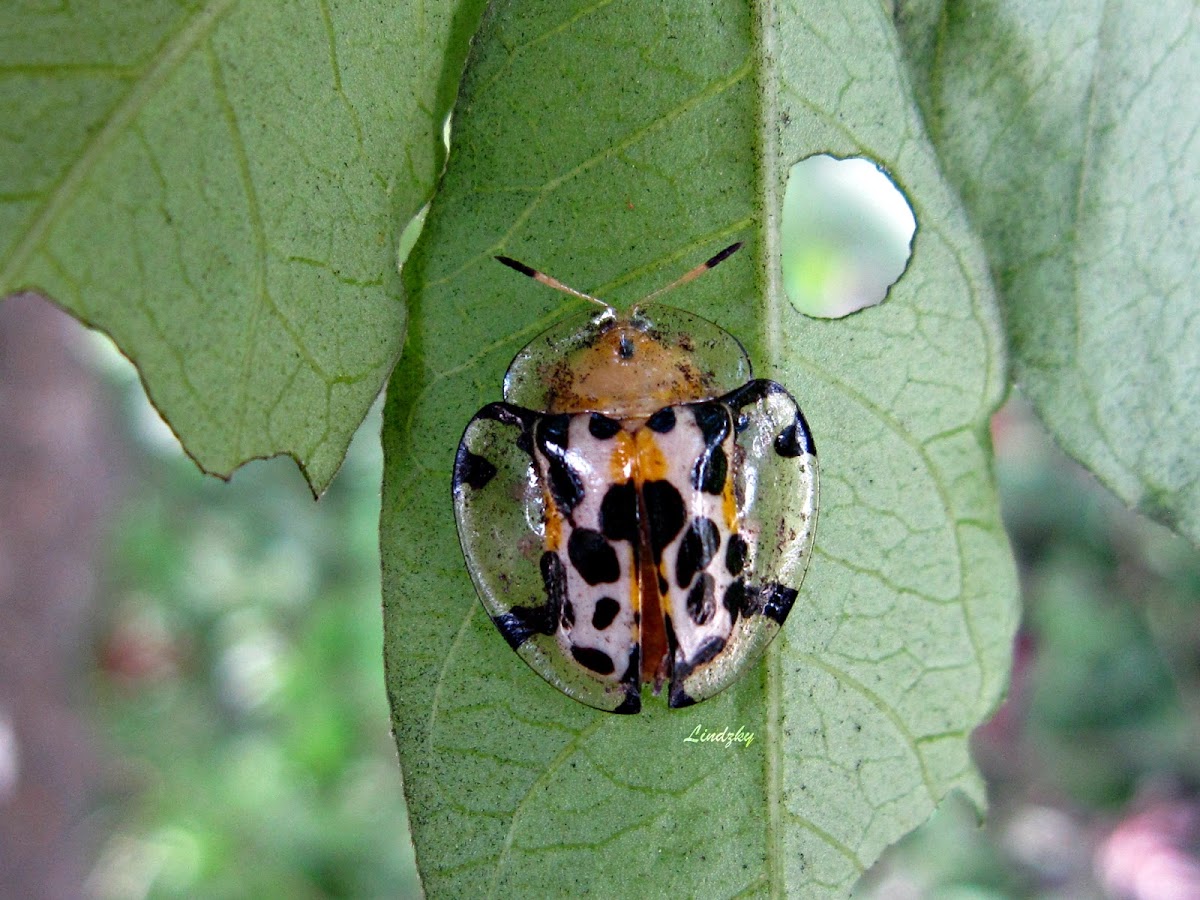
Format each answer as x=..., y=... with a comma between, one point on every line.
x=237, y=687
x=1069, y=132
x=1112, y=617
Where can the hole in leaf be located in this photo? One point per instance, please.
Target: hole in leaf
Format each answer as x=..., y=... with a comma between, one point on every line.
x=412, y=231
x=846, y=235
x=408, y=237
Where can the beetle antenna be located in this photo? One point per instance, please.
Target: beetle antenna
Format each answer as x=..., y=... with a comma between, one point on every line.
x=550, y=282
x=693, y=274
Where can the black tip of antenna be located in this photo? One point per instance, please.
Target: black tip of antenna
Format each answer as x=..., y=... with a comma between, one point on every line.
x=519, y=266
x=724, y=254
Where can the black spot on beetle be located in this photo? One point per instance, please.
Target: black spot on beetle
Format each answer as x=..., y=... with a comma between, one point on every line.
x=593, y=556
x=632, y=703
x=679, y=697
x=710, y=471
x=565, y=485
x=713, y=421
x=508, y=414
x=619, y=513
x=554, y=580
x=596, y=660
x=664, y=514
x=796, y=439
x=713, y=465
x=552, y=433
x=672, y=641
x=775, y=601
x=602, y=427
x=786, y=444
x=516, y=416
x=735, y=599
x=701, y=602
x=697, y=549
x=662, y=421
x=471, y=469
x=800, y=441
x=520, y=623
x=735, y=554
x=633, y=670
x=568, y=614
x=771, y=600
x=604, y=613
x=708, y=651
x=625, y=347
x=753, y=391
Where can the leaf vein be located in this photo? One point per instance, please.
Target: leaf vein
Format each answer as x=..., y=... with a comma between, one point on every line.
x=155, y=73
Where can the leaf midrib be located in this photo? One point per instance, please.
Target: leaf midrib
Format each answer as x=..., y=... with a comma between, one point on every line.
x=770, y=272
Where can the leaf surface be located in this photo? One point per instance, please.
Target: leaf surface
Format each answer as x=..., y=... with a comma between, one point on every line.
x=614, y=145
x=220, y=187
x=1072, y=133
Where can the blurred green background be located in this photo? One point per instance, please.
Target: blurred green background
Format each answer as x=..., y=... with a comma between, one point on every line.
x=237, y=680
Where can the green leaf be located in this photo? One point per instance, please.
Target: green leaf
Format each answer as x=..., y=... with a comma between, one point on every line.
x=614, y=145
x=220, y=188
x=1070, y=131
